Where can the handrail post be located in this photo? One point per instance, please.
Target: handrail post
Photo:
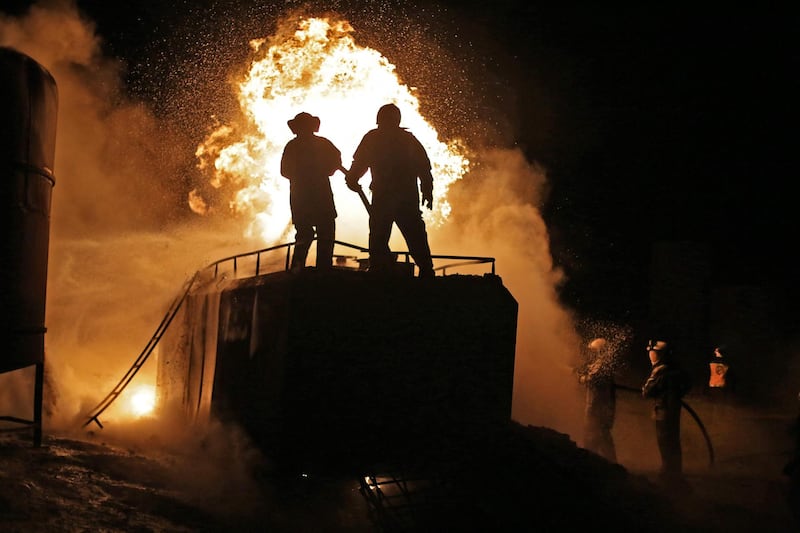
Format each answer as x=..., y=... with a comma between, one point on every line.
x=38, y=390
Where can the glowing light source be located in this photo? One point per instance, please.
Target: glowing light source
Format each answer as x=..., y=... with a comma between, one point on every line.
x=143, y=400
x=313, y=65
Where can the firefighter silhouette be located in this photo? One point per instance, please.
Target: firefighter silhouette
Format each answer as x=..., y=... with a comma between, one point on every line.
x=400, y=170
x=720, y=385
x=597, y=375
x=718, y=370
x=307, y=162
x=667, y=384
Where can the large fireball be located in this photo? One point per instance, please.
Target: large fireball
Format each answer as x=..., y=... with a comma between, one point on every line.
x=314, y=65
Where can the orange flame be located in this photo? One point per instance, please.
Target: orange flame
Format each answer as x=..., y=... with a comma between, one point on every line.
x=314, y=66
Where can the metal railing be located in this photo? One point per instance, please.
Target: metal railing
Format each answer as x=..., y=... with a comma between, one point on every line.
x=257, y=257
x=235, y=261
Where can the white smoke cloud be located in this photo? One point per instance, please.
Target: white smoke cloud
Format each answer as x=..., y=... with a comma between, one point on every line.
x=119, y=254
x=118, y=251
x=496, y=213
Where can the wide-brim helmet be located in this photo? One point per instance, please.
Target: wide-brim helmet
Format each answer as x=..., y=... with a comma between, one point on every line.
x=304, y=123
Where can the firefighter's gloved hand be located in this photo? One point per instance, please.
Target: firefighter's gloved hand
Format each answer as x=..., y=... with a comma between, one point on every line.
x=352, y=183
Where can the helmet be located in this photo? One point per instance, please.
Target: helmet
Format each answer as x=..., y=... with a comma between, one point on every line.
x=304, y=123
x=388, y=115
x=658, y=346
x=597, y=344
x=658, y=351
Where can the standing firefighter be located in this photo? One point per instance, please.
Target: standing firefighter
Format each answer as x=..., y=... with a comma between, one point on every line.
x=308, y=161
x=720, y=384
x=718, y=371
x=667, y=384
x=597, y=374
x=400, y=167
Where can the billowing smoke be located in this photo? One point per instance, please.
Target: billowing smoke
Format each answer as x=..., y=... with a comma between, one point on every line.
x=123, y=236
x=496, y=213
x=120, y=246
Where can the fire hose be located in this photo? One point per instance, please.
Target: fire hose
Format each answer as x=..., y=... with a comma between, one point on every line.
x=691, y=412
x=361, y=194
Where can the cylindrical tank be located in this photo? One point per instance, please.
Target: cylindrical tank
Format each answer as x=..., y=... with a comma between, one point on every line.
x=28, y=113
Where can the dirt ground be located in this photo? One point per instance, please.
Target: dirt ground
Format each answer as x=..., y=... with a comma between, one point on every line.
x=744, y=489
x=533, y=478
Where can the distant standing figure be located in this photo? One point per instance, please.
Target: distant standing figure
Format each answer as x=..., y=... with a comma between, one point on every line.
x=719, y=371
x=720, y=383
x=667, y=384
x=400, y=168
x=308, y=161
x=597, y=374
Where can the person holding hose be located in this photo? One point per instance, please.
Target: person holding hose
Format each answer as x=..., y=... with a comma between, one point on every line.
x=400, y=170
x=666, y=385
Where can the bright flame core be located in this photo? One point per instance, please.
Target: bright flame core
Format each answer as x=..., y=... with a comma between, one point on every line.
x=314, y=66
x=143, y=400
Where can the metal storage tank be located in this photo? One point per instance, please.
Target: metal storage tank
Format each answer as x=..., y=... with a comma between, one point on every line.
x=28, y=113
x=342, y=369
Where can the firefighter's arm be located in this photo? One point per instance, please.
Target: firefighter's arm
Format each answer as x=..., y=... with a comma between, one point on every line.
x=423, y=163
x=652, y=386
x=426, y=186
x=361, y=161
x=580, y=372
x=287, y=167
x=335, y=161
x=351, y=177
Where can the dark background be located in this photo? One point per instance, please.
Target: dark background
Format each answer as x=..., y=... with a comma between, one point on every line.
x=653, y=123
x=661, y=124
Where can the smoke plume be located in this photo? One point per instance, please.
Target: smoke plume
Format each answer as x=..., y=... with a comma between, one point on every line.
x=123, y=237
x=496, y=213
x=120, y=243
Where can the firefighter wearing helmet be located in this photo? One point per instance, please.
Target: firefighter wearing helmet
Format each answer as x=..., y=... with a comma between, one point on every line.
x=400, y=170
x=308, y=161
x=720, y=383
x=597, y=375
x=667, y=384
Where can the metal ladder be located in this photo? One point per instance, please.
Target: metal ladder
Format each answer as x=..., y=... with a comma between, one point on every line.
x=403, y=501
x=93, y=415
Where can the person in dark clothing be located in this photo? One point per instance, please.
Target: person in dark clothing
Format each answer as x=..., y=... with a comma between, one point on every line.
x=597, y=374
x=400, y=168
x=308, y=161
x=667, y=384
x=720, y=384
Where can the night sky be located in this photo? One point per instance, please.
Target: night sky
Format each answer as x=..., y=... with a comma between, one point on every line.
x=654, y=123
x=670, y=125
